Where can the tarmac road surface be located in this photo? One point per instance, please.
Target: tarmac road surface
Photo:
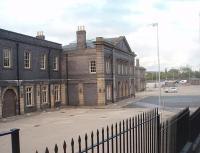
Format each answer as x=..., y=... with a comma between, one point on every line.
x=168, y=101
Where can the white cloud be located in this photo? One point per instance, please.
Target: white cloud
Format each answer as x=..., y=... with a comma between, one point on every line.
x=178, y=24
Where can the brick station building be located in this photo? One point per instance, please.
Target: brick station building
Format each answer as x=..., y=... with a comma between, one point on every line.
x=30, y=74
x=36, y=74
x=99, y=70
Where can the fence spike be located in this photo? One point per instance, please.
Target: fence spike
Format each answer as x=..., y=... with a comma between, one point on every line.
x=72, y=145
x=97, y=141
x=56, y=148
x=92, y=141
x=97, y=132
x=86, y=136
x=86, y=142
x=46, y=150
x=107, y=139
x=64, y=146
x=102, y=140
x=112, y=142
x=120, y=136
x=79, y=143
x=130, y=135
x=127, y=140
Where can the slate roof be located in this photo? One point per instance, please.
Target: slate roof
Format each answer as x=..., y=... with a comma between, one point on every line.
x=13, y=36
x=91, y=43
x=73, y=45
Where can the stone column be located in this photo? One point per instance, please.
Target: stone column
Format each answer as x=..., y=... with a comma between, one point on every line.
x=100, y=71
x=114, y=89
x=63, y=94
x=1, y=103
x=52, y=96
x=80, y=94
x=21, y=101
x=38, y=93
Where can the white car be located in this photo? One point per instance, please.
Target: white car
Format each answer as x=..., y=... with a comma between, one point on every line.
x=171, y=90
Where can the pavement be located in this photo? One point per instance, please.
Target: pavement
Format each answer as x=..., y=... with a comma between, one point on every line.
x=41, y=129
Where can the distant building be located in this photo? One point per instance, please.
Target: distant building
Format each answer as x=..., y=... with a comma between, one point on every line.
x=194, y=81
x=100, y=70
x=140, y=83
x=30, y=74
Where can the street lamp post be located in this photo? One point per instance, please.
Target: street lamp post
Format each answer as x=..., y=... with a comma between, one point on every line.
x=158, y=54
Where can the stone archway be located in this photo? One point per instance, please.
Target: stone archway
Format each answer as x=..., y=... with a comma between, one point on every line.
x=9, y=103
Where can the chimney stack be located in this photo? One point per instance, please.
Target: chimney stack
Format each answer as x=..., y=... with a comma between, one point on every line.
x=40, y=35
x=81, y=37
x=137, y=63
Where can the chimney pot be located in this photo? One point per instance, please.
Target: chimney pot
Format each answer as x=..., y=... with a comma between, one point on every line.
x=137, y=62
x=81, y=37
x=40, y=35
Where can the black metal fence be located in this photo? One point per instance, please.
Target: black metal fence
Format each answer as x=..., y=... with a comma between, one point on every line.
x=134, y=135
x=14, y=139
x=194, y=124
x=175, y=132
x=140, y=134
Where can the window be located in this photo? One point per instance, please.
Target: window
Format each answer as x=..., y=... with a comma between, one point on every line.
x=7, y=57
x=108, y=92
x=44, y=94
x=119, y=68
x=57, y=93
x=55, y=63
x=122, y=69
x=126, y=69
x=108, y=67
x=92, y=66
x=43, y=62
x=29, y=96
x=131, y=70
x=27, y=60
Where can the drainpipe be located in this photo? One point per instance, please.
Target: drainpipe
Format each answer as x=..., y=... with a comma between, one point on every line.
x=49, y=76
x=18, y=77
x=113, y=75
x=67, y=79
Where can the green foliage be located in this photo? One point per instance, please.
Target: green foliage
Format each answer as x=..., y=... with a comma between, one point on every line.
x=173, y=74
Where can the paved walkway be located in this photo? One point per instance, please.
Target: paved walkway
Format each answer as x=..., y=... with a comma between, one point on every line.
x=41, y=129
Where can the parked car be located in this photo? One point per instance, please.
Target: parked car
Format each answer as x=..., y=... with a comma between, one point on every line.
x=183, y=81
x=171, y=90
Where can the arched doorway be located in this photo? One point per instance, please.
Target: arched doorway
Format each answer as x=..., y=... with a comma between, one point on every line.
x=9, y=103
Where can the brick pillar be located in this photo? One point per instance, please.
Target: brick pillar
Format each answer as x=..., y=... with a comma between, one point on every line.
x=63, y=94
x=1, y=103
x=38, y=93
x=52, y=96
x=21, y=100
x=100, y=71
x=80, y=94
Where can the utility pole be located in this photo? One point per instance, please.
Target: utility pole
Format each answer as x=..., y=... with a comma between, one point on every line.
x=199, y=27
x=158, y=54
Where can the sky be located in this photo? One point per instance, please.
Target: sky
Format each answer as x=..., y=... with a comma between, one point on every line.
x=178, y=25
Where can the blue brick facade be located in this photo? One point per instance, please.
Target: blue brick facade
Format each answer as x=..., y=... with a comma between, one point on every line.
x=17, y=77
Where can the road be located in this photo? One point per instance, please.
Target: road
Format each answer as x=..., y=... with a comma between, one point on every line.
x=173, y=102
x=168, y=101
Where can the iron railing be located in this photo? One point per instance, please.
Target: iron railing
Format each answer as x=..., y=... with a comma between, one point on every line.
x=134, y=135
x=140, y=134
x=14, y=139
